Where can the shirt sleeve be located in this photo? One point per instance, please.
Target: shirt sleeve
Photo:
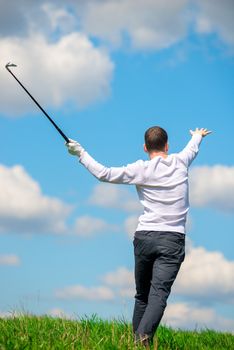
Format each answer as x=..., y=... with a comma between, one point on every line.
x=129, y=174
x=189, y=153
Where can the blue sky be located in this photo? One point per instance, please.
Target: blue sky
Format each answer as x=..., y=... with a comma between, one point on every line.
x=65, y=239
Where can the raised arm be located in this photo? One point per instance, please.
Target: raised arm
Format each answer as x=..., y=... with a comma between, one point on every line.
x=190, y=151
x=129, y=174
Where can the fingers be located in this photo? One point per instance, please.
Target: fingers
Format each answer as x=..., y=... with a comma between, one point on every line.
x=202, y=131
x=206, y=131
x=70, y=142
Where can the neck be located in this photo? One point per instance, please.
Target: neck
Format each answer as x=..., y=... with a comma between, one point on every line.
x=157, y=154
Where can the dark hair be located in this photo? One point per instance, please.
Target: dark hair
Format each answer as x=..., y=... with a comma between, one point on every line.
x=155, y=139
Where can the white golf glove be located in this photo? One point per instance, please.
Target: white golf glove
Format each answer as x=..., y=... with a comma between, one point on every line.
x=74, y=148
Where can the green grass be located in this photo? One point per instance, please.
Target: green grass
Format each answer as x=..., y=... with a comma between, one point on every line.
x=31, y=332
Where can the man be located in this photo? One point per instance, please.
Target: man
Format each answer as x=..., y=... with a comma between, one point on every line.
x=159, y=242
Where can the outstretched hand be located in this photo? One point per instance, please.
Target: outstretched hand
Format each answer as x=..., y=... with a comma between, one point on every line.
x=203, y=132
x=74, y=148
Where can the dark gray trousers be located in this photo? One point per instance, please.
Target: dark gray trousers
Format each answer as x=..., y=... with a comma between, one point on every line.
x=158, y=256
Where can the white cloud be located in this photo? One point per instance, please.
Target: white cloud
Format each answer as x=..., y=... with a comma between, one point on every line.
x=23, y=206
x=70, y=69
x=114, y=196
x=9, y=259
x=87, y=226
x=189, y=223
x=122, y=281
x=122, y=277
x=6, y=314
x=127, y=293
x=206, y=275
x=59, y=18
x=213, y=186
x=140, y=24
x=216, y=16
x=13, y=18
x=45, y=16
x=130, y=225
x=10, y=314
x=157, y=24
x=149, y=24
x=99, y=293
x=57, y=312
x=186, y=316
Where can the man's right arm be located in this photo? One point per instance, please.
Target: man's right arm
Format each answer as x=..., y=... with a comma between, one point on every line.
x=188, y=154
x=129, y=174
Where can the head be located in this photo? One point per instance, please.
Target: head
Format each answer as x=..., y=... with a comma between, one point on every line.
x=156, y=140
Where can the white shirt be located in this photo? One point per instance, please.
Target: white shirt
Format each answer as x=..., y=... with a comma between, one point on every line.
x=161, y=183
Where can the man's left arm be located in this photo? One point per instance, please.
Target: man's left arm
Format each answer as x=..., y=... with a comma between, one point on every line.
x=190, y=151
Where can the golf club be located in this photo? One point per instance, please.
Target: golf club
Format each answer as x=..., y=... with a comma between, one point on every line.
x=46, y=114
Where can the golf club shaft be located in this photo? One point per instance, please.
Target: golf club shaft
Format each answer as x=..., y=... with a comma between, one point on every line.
x=46, y=114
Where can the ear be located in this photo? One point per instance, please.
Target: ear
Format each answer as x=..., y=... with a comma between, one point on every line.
x=145, y=149
x=166, y=147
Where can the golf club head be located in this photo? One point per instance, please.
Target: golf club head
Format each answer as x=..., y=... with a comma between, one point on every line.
x=9, y=64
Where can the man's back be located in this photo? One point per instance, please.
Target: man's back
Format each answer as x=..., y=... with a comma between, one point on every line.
x=164, y=194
